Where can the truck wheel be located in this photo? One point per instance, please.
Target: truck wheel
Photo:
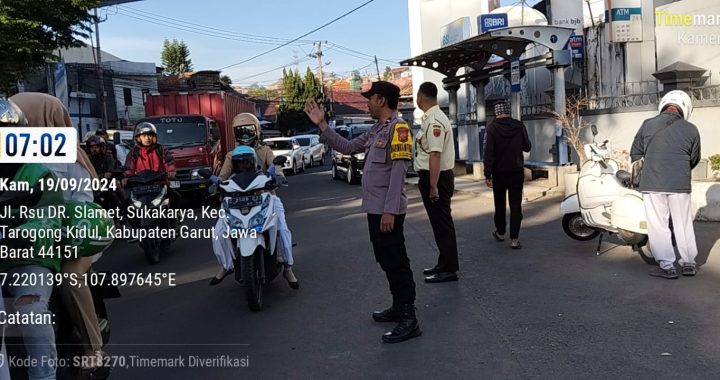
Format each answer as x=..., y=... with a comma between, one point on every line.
x=575, y=227
x=251, y=280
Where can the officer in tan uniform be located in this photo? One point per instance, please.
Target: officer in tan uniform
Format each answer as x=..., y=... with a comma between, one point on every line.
x=388, y=151
x=434, y=163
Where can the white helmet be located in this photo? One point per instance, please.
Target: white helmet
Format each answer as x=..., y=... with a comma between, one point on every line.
x=680, y=99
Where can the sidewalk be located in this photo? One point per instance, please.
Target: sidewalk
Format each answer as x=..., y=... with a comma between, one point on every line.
x=532, y=190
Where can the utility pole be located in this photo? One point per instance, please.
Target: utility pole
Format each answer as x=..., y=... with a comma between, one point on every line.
x=319, y=55
x=377, y=68
x=103, y=105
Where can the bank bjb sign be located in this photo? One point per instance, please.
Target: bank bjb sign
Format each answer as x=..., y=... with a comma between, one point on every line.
x=492, y=21
x=455, y=31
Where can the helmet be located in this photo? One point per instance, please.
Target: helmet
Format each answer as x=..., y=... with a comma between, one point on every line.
x=243, y=159
x=10, y=114
x=246, y=128
x=95, y=140
x=680, y=99
x=144, y=128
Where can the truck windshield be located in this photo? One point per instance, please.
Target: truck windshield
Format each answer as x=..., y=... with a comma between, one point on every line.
x=177, y=134
x=279, y=145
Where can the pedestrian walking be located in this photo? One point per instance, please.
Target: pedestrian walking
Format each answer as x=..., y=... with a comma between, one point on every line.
x=388, y=151
x=506, y=140
x=670, y=147
x=434, y=163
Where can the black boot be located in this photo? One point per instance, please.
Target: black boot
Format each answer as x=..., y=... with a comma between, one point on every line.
x=407, y=328
x=391, y=314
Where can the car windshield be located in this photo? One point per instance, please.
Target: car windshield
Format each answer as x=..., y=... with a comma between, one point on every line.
x=304, y=141
x=279, y=144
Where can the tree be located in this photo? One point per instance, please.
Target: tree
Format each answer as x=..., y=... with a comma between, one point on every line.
x=387, y=74
x=296, y=90
x=573, y=124
x=226, y=80
x=33, y=30
x=175, y=57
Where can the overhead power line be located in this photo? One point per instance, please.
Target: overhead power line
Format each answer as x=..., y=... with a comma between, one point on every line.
x=295, y=39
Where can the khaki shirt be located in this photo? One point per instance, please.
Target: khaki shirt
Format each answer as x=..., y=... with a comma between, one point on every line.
x=435, y=135
x=264, y=154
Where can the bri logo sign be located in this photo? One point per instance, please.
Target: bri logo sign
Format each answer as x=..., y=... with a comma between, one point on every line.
x=492, y=21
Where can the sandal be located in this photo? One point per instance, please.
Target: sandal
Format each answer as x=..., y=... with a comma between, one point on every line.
x=497, y=236
x=518, y=246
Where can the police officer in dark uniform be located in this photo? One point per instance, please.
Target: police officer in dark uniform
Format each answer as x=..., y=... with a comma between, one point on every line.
x=388, y=151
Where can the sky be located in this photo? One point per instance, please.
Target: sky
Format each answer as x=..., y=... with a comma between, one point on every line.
x=221, y=33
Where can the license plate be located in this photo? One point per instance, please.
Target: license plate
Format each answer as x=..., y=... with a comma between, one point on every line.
x=174, y=184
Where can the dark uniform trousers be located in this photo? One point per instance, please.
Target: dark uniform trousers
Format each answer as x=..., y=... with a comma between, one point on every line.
x=510, y=184
x=390, y=253
x=440, y=217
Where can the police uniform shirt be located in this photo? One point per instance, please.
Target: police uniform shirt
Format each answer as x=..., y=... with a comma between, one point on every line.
x=435, y=135
x=388, y=150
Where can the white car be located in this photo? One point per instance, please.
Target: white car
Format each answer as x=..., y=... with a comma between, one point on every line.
x=314, y=150
x=289, y=147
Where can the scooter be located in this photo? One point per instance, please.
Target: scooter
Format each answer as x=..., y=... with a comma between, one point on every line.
x=606, y=203
x=251, y=224
x=67, y=335
x=148, y=190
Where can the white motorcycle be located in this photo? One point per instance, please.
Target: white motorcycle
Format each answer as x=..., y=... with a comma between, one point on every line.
x=251, y=224
x=605, y=203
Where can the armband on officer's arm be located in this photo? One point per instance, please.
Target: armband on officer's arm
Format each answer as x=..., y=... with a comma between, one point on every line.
x=401, y=143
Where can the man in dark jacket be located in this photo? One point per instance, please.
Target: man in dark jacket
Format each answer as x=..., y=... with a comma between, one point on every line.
x=671, y=148
x=506, y=140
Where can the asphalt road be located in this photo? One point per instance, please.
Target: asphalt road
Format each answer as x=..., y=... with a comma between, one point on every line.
x=550, y=310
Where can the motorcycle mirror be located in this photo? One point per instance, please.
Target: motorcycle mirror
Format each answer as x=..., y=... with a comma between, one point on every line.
x=279, y=160
x=205, y=173
x=594, y=130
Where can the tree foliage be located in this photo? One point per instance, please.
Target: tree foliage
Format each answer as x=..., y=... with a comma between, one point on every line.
x=387, y=74
x=175, y=57
x=226, y=80
x=296, y=90
x=32, y=31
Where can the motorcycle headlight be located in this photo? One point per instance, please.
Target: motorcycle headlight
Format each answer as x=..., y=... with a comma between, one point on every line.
x=259, y=219
x=137, y=204
x=156, y=202
x=360, y=156
x=233, y=221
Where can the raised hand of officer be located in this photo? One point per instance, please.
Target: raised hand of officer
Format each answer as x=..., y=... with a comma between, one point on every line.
x=387, y=221
x=316, y=113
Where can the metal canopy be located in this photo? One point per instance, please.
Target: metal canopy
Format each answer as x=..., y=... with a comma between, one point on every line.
x=475, y=52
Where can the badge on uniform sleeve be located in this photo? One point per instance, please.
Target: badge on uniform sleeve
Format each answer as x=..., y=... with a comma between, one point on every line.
x=437, y=131
x=401, y=145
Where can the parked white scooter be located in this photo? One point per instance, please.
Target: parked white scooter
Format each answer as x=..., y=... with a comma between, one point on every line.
x=252, y=226
x=606, y=203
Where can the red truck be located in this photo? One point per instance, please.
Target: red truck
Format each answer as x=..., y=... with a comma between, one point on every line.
x=195, y=126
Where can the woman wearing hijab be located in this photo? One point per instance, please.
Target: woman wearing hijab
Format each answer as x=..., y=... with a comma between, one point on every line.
x=42, y=110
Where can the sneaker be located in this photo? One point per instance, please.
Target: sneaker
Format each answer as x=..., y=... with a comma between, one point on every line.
x=688, y=270
x=670, y=274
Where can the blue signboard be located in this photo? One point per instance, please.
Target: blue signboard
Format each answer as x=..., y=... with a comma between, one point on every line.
x=577, y=45
x=515, y=75
x=492, y=21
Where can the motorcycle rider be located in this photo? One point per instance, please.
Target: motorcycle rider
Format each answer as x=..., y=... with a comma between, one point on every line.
x=246, y=128
x=101, y=159
x=42, y=110
x=670, y=146
x=39, y=339
x=147, y=154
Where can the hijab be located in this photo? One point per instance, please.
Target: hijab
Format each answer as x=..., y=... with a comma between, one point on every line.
x=43, y=110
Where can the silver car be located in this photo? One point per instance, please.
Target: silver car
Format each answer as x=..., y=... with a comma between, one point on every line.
x=314, y=150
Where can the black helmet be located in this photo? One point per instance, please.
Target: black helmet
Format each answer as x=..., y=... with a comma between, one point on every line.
x=95, y=140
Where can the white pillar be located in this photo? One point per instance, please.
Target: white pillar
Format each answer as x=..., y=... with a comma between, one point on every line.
x=559, y=93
